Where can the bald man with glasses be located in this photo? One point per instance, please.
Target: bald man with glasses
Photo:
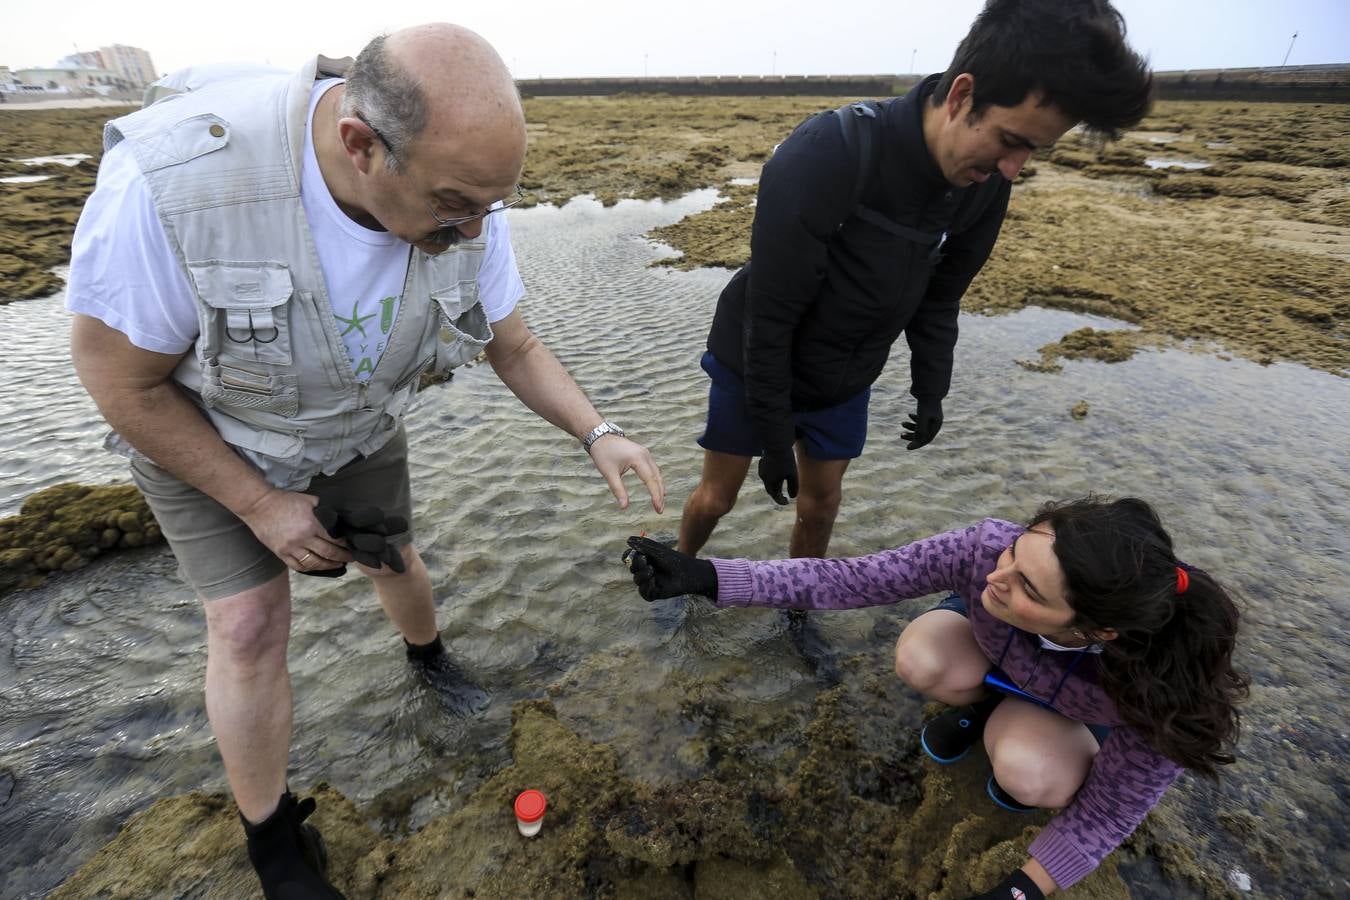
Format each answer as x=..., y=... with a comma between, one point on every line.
x=268, y=264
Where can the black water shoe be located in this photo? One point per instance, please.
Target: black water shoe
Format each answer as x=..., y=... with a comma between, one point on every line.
x=1005, y=799
x=458, y=694
x=949, y=736
x=288, y=854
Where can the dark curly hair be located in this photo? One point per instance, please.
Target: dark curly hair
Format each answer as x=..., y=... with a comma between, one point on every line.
x=1169, y=671
x=1073, y=51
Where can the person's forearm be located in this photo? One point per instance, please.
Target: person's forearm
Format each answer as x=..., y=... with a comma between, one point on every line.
x=165, y=426
x=1036, y=872
x=536, y=376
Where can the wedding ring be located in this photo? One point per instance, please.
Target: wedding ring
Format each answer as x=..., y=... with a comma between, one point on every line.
x=301, y=560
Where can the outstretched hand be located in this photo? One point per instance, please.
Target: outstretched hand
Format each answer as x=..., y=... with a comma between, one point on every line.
x=613, y=455
x=660, y=571
x=923, y=425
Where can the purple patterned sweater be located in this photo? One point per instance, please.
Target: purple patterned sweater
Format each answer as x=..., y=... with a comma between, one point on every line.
x=1128, y=775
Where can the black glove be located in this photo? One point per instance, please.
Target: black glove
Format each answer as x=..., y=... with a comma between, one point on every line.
x=1017, y=885
x=775, y=467
x=923, y=425
x=367, y=530
x=660, y=572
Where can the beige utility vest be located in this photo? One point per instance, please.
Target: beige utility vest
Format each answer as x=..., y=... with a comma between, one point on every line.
x=269, y=368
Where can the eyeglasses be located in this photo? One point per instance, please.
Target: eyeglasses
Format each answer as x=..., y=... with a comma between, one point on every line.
x=472, y=217
x=446, y=221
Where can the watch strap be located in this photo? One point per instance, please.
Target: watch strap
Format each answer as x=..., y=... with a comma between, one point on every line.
x=600, y=431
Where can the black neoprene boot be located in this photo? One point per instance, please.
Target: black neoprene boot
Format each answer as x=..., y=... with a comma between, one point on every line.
x=460, y=696
x=949, y=736
x=289, y=855
x=1005, y=799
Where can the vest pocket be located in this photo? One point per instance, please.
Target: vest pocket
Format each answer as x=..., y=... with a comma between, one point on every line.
x=244, y=311
x=464, y=330
x=229, y=385
x=245, y=435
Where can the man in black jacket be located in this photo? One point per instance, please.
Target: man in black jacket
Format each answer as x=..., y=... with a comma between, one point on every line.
x=868, y=229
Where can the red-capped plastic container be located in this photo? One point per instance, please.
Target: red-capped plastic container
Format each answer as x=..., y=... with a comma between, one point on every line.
x=530, y=806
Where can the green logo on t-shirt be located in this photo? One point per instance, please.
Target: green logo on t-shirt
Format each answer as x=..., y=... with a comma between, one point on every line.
x=354, y=321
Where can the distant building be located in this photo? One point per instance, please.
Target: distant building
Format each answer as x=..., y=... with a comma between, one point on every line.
x=12, y=88
x=75, y=80
x=131, y=63
x=88, y=60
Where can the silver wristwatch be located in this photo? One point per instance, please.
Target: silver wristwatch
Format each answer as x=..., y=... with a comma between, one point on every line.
x=599, y=431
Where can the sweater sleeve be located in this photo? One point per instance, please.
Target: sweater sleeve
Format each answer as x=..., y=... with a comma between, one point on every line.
x=804, y=193
x=932, y=332
x=952, y=561
x=1127, y=778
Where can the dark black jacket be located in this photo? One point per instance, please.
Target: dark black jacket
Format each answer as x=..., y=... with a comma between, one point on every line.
x=810, y=320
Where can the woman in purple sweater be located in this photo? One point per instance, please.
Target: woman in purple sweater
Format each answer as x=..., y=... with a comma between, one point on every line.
x=1093, y=662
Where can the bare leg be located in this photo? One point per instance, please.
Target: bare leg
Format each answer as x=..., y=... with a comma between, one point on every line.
x=723, y=475
x=1039, y=756
x=406, y=597
x=937, y=655
x=817, y=504
x=248, y=691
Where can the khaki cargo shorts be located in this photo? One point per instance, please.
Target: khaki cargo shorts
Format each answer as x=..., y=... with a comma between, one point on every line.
x=217, y=553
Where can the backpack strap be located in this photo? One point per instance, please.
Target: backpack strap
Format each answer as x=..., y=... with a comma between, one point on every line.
x=858, y=140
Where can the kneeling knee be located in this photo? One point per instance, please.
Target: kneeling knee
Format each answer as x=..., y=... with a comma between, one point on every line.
x=918, y=667
x=1031, y=780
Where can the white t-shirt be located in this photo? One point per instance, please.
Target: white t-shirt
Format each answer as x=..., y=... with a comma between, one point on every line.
x=123, y=272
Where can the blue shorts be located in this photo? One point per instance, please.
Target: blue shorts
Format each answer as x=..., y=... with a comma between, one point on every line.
x=834, y=433
x=998, y=681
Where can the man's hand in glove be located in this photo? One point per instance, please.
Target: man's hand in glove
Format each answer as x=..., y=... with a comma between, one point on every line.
x=776, y=467
x=660, y=572
x=367, y=530
x=923, y=425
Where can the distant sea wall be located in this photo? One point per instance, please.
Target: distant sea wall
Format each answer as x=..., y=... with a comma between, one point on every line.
x=723, y=85
x=1318, y=84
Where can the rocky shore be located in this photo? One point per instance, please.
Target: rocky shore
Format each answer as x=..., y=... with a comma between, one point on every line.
x=831, y=821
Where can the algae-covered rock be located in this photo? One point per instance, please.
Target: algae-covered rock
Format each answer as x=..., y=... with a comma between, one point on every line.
x=727, y=879
x=193, y=846
x=63, y=527
x=1085, y=343
x=957, y=843
x=839, y=831
x=688, y=822
x=478, y=847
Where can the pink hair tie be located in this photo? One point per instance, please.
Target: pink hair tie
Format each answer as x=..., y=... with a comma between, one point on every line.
x=1183, y=580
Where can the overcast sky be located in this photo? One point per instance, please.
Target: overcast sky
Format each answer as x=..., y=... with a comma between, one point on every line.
x=554, y=38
